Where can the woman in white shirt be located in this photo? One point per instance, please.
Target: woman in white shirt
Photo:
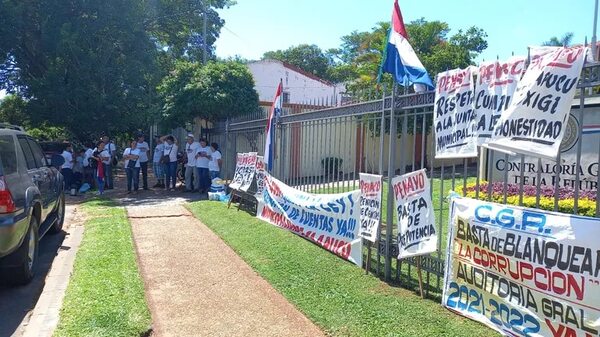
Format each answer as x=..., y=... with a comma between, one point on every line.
x=131, y=155
x=171, y=151
x=215, y=161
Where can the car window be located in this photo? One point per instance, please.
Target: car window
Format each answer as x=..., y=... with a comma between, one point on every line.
x=38, y=154
x=29, y=158
x=8, y=154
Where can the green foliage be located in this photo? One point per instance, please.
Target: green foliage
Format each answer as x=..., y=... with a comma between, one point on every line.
x=333, y=293
x=105, y=296
x=214, y=91
x=554, y=41
x=13, y=111
x=307, y=57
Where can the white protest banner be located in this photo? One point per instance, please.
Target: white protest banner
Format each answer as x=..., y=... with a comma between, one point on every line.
x=260, y=176
x=329, y=220
x=370, y=205
x=238, y=177
x=535, y=121
x=248, y=170
x=454, y=118
x=523, y=272
x=416, y=220
x=496, y=84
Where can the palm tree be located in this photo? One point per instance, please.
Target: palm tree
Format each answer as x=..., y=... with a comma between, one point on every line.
x=565, y=40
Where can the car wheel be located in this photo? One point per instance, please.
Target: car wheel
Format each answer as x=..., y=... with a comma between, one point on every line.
x=60, y=215
x=25, y=257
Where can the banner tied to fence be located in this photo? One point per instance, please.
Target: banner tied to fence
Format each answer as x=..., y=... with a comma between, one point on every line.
x=523, y=272
x=454, y=118
x=245, y=168
x=496, y=84
x=260, y=176
x=535, y=121
x=371, y=188
x=416, y=222
x=329, y=220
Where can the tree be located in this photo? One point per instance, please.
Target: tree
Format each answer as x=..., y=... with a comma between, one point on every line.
x=309, y=58
x=214, y=91
x=13, y=111
x=565, y=40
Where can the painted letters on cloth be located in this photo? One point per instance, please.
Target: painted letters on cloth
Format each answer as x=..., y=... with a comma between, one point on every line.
x=454, y=118
x=248, y=170
x=535, y=121
x=260, y=176
x=329, y=220
x=496, y=84
x=370, y=205
x=238, y=177
x=523, y=272
x=416, y=222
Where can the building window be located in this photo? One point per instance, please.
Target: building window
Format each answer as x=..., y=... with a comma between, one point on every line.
x=286, y=97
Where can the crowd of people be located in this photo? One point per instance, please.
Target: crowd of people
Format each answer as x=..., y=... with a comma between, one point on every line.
x=94, y=165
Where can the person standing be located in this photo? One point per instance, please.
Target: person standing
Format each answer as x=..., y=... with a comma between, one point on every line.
x=67, y=168
x=144, y=154
x=88, y=170
x=111, y=149
x=191, y=149
x=202, y=160
x=170, y=155
x=216, y=161
x=131, y=155
x=157, y=166
x=102, y=157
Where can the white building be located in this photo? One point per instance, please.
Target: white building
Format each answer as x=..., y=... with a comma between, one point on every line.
x=299, y=86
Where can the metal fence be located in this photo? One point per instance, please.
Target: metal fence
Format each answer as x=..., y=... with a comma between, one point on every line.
x=322, y=148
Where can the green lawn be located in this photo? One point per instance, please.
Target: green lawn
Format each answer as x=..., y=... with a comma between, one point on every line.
x=333, y=293
x=105, y=296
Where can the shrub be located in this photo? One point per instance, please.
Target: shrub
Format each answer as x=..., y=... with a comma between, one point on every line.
x=331, y=165
x=566, y=197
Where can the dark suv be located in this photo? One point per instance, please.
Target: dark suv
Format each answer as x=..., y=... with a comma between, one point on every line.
x=32, y=202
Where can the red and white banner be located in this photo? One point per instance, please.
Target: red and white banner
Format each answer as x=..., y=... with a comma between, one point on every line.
x=371, y=188
x=260, y=176
x=244, y=171
x=329, y=220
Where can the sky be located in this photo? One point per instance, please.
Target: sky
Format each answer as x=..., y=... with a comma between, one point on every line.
x=253, y=27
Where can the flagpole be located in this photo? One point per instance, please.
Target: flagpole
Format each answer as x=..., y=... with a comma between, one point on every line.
x=594, y=49
x=275, y=126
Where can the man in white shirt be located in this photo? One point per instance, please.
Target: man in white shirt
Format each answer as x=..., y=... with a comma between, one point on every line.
x=191, y=149
x=111, y=149
x=203, y=157
x=88, y=171
x=144, y=154
x=157, y=166
x=67, y=168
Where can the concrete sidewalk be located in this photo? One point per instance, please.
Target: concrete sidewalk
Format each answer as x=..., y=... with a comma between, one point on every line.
x=197, y=286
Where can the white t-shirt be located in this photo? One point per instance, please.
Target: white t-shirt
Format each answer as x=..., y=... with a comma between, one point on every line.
x=87, y=156
x=135, y=152
x=171, y=151
x=105, y=156
x=158, y=152
x=68, y=160
x=203, y=161
x=144, y=148
x=191, y=150
x=111, y=148
x=214, y=162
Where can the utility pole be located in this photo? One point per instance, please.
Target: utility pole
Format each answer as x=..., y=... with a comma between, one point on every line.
x=594, y=32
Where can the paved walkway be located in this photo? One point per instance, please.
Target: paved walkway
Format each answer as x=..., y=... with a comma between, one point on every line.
x=197, y=286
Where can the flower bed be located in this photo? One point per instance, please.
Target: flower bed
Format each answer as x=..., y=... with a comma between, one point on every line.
x=566, y=202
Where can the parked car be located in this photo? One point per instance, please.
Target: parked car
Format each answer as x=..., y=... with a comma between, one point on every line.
x=51, y=148
x=32, y=202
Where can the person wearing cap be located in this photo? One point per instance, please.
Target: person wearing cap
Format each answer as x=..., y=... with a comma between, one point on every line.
x=191, y=149
x=144, y=154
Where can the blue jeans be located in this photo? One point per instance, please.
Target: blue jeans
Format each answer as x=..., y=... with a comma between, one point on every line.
x=68, y=178
x=144, y=169
x=213, y=175
x=171, y=174
x=108, y=178
x=133, y=178
x=204, y=178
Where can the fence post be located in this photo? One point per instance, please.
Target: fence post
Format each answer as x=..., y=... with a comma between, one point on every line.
x=390, y=197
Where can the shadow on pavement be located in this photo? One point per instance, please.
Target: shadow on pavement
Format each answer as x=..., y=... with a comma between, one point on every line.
x=17, y=302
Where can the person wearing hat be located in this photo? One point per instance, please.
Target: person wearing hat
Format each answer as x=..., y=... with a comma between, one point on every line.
x=143, y=159
x=192, y=179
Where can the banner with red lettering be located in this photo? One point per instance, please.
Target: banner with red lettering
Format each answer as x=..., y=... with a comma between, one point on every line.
x=454, y=118
x=370, y=205
x=535, y=121
x=496, y=84
x=416, y=220
x=329, y=220
x=521, y=271
x=245, y=168
x=238, y=177
x=260, y=176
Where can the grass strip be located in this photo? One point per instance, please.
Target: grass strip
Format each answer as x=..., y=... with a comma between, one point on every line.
x=333, y=293
x=105, y=296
